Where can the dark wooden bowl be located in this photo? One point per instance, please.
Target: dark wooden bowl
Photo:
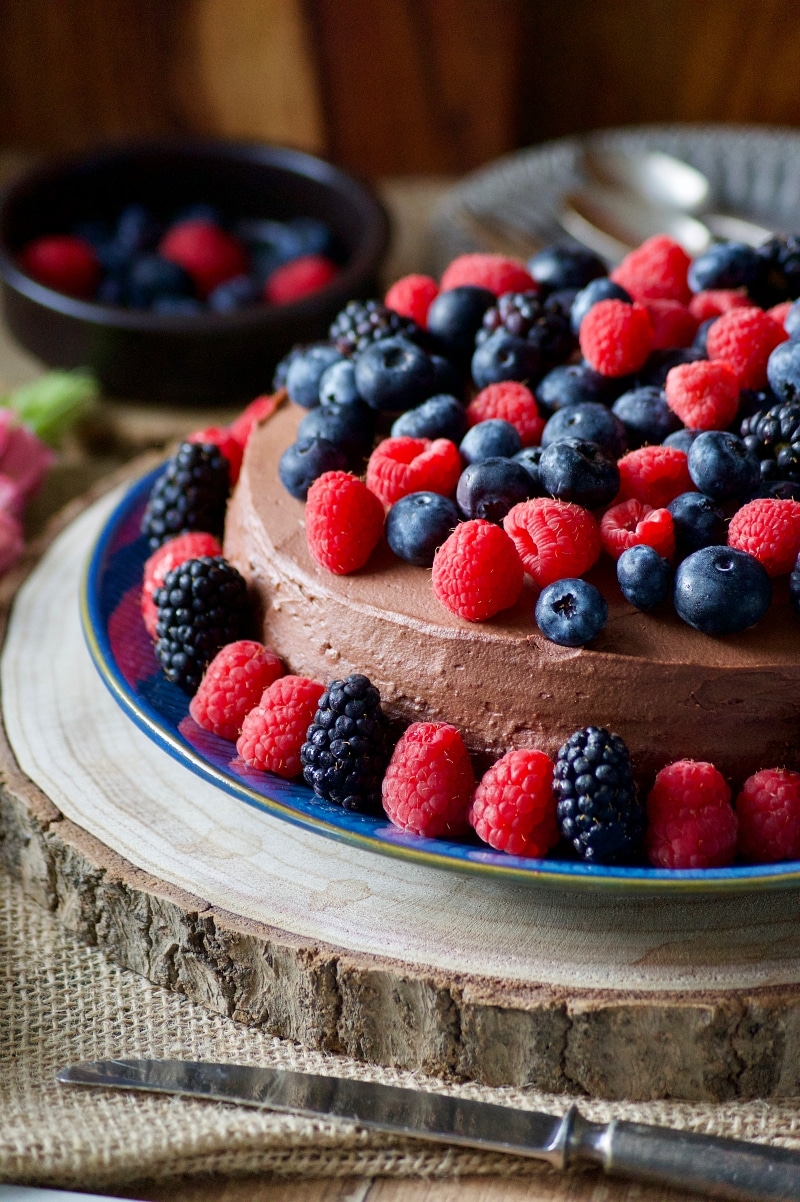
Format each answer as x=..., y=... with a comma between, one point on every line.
x=203, y=358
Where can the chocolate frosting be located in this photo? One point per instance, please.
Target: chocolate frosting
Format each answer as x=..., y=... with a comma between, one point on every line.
x=668, y=690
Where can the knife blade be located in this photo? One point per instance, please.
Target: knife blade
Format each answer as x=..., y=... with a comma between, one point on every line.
x=720, y=1168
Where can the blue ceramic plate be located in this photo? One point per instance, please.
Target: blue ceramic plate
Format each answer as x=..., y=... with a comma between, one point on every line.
x=123, y=655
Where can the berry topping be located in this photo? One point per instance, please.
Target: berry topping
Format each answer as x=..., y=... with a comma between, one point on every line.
x=232, y=686
x=412, y=297
x=191, y=493
x=589, y=421
x=394, y=374
x=228, y=444
x=768, y=809
x=361, y=322
x=439, y=417
x=306, y=460
x=774, y=437
x=301, y=277
x=514, y=807
x=429, y=782
x=497, y=273
x=477, y=571
x=725, y=266
x=347, y=745
x=565, y=265
x=719, y=590
x=704, y=395
x=691, y=823
x=399, y=466
x=655, y=270
x=599, y=289
x=554, y=539
x=644, y=576
x=304, y=373
x=574, y=469
x=490, y=487
x=202, y=606
x=64, y=263
x=673, y=324
x=571, y=612
x=697, y=521
x=716, y=301
x=344, y=522
x=646, y=416
x=633, y=523
x=209, y=254
x=454, y=319
x=274, y=731
x=598, y=810
x=541, y=325
x=722, y=466
x=616, y=338
x=655, y=475
x=745, y=338
x=512, y=402
x=419, y=523
x=492, y=438
x=769, y=530
x=171, y=553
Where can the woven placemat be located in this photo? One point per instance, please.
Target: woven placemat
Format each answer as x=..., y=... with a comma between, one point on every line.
x=61, y=1001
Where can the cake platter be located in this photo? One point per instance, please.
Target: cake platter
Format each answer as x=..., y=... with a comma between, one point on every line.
x=123, y=654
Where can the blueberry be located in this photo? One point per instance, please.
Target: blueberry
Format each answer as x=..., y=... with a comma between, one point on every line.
x=177, y=306
x=599, y=289
x=573, y=382
x=150, y=277
x=304, y=461
x=564, y=298
x=697, y=522
x=721, y=466
x=313, y=235
x=725, y=265
x=446, y=377
x=530, y=457
x=646, y=416
x=660, y=363
x=579, y=471
x=590, y=421
x=419, y=523
x=237, y=293
x=282, y=369
x=489, y=488
x=791, y=322
x=783, y=370
x=571, y=612
x=111, y=290
x=755, y=400
x=503, y=356
x=565, y=265
x=644, y=576
x=682, y=439
x=137, y=229
x=277, y=241
x=337, y=384
x=349, y=427
x=491, y=439
x=454, y=319
x=700, y=341
x=779, y=490
x=394, y=374
x=305, y=372
x=719, y=590
x=440, y=416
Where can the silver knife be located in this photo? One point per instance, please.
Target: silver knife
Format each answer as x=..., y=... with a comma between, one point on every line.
x=719, y=1168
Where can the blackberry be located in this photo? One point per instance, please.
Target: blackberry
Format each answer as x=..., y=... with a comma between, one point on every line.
x=202, y=606
x=780, y=269
x=775, y=438
x=347, y=746
x=361, y=322
x=191, y=493
x=599, y=811
x=544, y=324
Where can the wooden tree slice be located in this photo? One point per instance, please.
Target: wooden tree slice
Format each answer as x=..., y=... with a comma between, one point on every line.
x=345, y=950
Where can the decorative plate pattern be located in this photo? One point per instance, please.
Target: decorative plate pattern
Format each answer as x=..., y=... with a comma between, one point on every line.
x=123, y=655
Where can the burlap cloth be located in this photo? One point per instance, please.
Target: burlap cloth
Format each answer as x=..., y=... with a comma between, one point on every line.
x=61, y=1001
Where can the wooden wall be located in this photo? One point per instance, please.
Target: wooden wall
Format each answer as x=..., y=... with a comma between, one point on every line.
x=389, y=86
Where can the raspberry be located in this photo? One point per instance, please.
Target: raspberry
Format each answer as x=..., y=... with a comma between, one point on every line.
x=428, y=784
x=655, y=270
x=476, y=571
x=512, y=402
x=412, y=296
x=673, y=324
x=344, y=522
x=232, y=686
x=631, y=523
x=161, y=562
x=63, y=262
x=768, y=809
x=655, y=475
x=514, y=807
x=745, y=338
x=769, y=530
x=554, y=539
x=205, y=252
x=228, y=444
x=691, y=823
x=780, y=311
x=257, y=411
x=615, y=337
x=399, y=466
x=704, y=395
x=715, y=301
x=275, y=730
x=496, y=273
x=298, y=278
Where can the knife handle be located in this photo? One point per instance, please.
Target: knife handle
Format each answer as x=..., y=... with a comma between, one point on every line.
x=719, y=1168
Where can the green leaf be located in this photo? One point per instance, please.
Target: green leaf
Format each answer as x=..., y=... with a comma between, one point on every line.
x=51, y=404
